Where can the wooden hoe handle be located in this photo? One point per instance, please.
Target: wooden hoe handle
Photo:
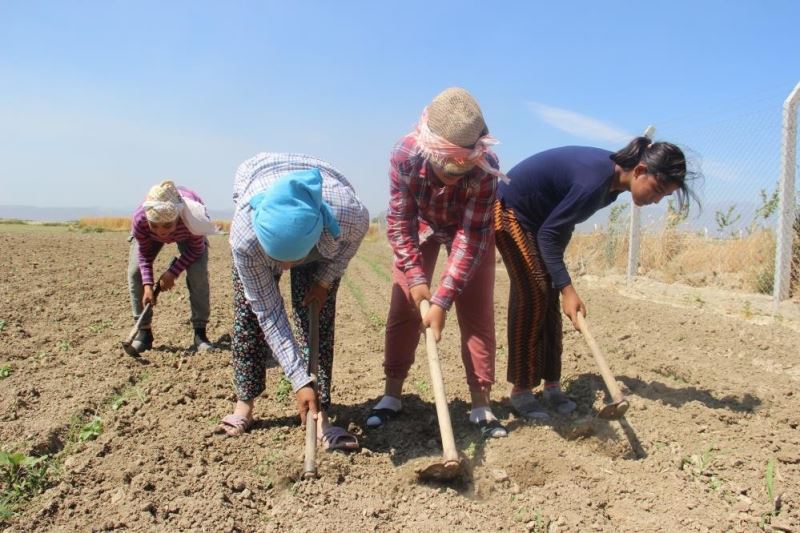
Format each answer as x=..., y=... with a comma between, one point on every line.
x=442, y=411
x=608, y=377
x=310, y=463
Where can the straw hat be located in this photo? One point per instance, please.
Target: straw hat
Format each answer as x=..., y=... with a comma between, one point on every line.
x=455, y=115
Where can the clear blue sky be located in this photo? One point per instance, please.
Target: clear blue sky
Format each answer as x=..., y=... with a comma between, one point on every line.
x=99, y=100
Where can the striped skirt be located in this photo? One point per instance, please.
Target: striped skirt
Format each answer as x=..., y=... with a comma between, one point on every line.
x=534, y=314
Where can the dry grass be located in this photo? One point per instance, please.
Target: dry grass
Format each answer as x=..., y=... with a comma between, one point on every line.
x=671, y=256
x=373, y=233
x=224, y=225
x=104, y=224
x=124, y=224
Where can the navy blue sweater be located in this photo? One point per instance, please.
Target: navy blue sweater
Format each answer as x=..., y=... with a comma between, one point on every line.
x=552, y=191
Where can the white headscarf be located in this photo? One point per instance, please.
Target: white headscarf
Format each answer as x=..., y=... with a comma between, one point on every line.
x=164, y=204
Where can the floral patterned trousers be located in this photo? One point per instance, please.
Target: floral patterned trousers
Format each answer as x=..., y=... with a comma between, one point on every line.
x=251, y=351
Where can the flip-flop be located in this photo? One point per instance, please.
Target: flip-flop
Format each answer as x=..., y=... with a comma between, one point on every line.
x=336, y=438
x=528, y=406
x=559, y=401
x=235, y=425
x=383, y=415
x=492, y=429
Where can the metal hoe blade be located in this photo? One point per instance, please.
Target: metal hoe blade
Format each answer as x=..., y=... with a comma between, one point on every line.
x=613, y=411
x=442, y=470
x=129, y=349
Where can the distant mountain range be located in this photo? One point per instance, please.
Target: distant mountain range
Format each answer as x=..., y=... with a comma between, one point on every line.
x=63, y=214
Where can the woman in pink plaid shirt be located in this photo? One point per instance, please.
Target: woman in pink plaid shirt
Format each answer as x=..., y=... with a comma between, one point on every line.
x=443, y=185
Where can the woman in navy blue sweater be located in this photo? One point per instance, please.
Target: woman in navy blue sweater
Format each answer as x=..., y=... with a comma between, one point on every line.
x=535, y=215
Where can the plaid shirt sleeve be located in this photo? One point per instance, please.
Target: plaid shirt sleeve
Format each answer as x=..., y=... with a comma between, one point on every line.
x=402, y=219
x=469, y=243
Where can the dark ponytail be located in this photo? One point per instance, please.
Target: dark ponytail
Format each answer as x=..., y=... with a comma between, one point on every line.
x=664, y=160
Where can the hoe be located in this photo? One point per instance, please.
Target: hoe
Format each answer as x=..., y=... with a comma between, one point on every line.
x=452, y=464
x=619, y=405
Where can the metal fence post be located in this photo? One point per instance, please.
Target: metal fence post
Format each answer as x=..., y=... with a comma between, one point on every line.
x=786, y=206
x=635, y=229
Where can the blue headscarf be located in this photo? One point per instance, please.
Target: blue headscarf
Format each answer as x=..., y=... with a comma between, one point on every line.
x=288, y=218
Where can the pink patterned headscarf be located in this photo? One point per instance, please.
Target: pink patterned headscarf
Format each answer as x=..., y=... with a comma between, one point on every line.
x=441, y=151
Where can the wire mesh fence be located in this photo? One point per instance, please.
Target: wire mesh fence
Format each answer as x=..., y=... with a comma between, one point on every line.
x=728, y=239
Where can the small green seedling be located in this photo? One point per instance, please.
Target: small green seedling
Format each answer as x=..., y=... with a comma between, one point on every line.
x=769, y=484
x=769, y=479
x=5, y=371
x=422, y=387
x=284, y=390
x=470, y=450
x=117, y=402
x=91, y=430
x=99, y=326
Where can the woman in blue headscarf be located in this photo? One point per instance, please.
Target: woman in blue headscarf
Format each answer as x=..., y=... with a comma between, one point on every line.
x=298, y=213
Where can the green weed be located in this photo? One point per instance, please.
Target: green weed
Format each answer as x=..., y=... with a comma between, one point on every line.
x=6, y=511
x=91, y=430
x=377, y=322
x=470, y=451
x=99, y=326
x=117, y=401
x=124, y=397
x=769, y=479
x=2, y=324
x=284, y=390
x=422, y=387
x=698, y=465
x=21, y=477
x=769, y=484
x=64, y=345
x=726, y=219
x=5, y=371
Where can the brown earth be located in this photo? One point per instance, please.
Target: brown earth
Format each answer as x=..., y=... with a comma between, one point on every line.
x=712, y=397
